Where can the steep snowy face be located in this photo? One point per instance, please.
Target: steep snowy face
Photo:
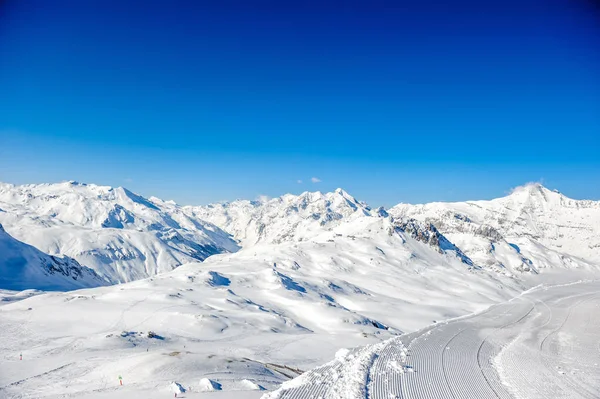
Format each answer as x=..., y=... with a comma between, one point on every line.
x=25, y=267
x=286, y=218
x=429, y=234
x=531, y=228
x=121, y=235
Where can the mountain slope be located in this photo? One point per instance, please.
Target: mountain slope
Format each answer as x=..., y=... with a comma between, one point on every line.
x=25, y=267
x=318, y=272
x=257, y=315
x=119, y=234
x=530, y=229
x=286, y=218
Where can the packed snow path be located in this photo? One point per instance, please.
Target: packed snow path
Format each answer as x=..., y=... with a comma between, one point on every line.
x=543, y=344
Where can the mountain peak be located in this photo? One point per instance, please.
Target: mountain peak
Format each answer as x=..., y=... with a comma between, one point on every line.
x=535, y=190
x=286, y=218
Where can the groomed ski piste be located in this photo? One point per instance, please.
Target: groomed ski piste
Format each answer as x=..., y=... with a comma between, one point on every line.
x=542, y=344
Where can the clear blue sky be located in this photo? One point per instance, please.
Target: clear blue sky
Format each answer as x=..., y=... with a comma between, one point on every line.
x=393, y=101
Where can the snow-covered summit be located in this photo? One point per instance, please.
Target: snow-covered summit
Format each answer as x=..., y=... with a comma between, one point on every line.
x=531, y=221
x=118, y=233
x=289, y=217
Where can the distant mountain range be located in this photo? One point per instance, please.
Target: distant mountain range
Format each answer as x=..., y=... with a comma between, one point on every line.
x=124, y=237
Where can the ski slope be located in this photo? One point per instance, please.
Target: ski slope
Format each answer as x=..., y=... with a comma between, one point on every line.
x=542, y=344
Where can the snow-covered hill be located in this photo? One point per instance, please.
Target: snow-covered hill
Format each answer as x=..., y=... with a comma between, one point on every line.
x=317, y=272
x=119, y=234
x=257, y=315
x=530, y=229
x=286, y=218
x=23, y=267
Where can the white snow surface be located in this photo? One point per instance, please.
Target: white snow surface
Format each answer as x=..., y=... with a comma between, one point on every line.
x=286, y=218
x=119, y=234
x=261, y=314
x=23, y=266
x=542, y=344
x=316, y=273
x=530, y=229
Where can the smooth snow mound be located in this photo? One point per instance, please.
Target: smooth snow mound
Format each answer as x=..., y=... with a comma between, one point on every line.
x=208, y=385
x=177, y=387
x=250, y=385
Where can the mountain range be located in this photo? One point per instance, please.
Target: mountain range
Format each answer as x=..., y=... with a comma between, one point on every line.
x=119, y=234
x=124, y=237
x=247, y=294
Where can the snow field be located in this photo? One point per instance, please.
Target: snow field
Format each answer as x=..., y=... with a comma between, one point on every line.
x=318, y=272
x=543, y=344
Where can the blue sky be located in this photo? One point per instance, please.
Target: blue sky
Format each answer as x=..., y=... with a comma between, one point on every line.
x=392, y=101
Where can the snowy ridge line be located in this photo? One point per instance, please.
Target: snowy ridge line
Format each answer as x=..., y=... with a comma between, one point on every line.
x=23, y=266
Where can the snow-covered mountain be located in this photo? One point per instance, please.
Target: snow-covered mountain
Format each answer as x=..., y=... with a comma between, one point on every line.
x=119, y=234
x=530, y=229
x=125, y=237
x=317, y=272
x=23, y=267
x=259, y=315
x=286, y=218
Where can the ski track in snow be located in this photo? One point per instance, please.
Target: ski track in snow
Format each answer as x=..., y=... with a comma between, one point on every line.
x=543, y=344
